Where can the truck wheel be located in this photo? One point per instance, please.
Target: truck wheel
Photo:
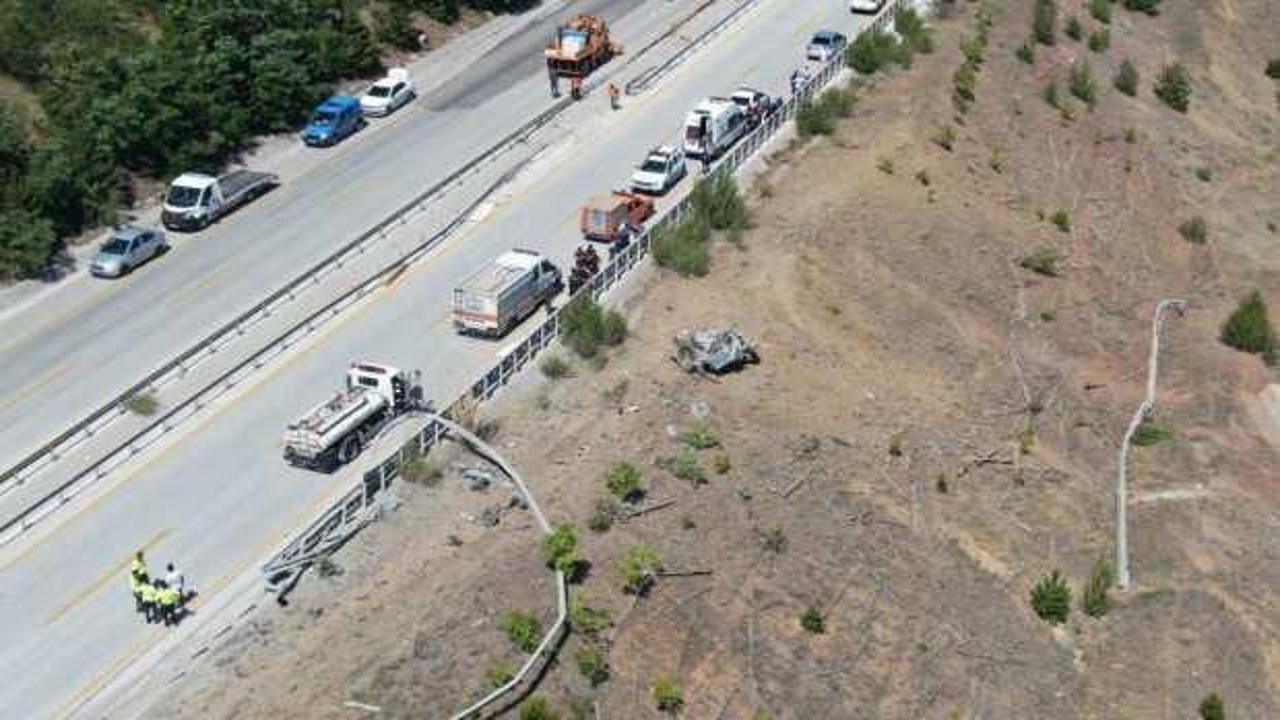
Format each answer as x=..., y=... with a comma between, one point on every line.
x=349, y=449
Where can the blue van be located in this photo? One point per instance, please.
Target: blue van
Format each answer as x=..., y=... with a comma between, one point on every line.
x=333, y=120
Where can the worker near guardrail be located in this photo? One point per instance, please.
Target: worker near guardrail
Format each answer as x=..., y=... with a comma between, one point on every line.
x=150, y=597
x=135, y=586
x=168, y=598
x=614, y=97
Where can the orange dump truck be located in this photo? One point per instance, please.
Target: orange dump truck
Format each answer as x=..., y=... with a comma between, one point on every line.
x=612, y=217
x=580, y=46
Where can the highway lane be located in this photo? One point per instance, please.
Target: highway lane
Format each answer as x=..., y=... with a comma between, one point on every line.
x=85, y=343
x=220, y=496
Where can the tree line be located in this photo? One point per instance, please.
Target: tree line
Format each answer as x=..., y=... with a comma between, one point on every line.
x=151, y=88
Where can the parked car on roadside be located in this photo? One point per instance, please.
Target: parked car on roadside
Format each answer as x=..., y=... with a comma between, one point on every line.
x=128, y=248
x=388, y=94
x=825, y=45
x=865, y=7
x=662, y=168
x=333, y=120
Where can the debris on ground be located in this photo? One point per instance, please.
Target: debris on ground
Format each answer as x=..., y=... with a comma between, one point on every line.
x=714, y=351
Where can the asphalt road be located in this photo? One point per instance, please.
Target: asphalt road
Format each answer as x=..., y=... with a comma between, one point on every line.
x=218, y=496
x=85, y=343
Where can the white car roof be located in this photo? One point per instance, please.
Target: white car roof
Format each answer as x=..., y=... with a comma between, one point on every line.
x=198, y=181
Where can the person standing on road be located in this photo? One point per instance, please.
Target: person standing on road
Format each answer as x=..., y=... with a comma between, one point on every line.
x=555, y=81
x=174, y=579
x=168, y=597
x=575, y=88
x=614, y=97
x=138, y=568
x=135, y=586
x=149, y=597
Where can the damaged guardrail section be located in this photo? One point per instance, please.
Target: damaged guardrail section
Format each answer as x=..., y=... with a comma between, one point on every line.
x=336, y=524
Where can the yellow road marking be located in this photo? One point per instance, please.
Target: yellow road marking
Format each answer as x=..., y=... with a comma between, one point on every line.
x=138, y=647
x=103, y=579
x=191, y=290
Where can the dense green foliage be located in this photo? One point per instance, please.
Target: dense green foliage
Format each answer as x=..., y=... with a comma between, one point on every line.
x=1097, y=600
x=1211, y=707
x=1051, y=598
x=1249, y=329
x=1173, y=87
x=152, y=88
x=587, y=327
x=1126, y=80
x=1044, y=22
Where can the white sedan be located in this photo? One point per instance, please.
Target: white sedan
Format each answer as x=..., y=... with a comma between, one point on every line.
x=388, y=94
x=662, y=168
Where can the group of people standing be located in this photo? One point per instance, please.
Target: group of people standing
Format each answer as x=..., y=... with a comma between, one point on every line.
x=158, y=599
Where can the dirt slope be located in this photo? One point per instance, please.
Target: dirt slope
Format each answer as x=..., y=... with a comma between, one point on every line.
x=932, y=429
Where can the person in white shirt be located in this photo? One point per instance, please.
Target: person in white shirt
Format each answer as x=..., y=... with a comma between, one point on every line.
x=174, y=579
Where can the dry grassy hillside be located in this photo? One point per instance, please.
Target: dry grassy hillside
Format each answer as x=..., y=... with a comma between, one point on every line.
x=932, y=429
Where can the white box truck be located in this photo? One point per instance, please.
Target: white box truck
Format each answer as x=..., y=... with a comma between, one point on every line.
x=504, y=292
x=713, y=127
x=334, y=432
x=193, y=200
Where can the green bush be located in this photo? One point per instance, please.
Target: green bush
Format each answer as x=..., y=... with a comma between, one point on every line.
x=1097, y=600
x=813, y=621
x=586, y=327
x=945, y=137
x=1061, y=220
x=500, y=673
x=605, y=513
x=668, y=694
x=1051, y=599
x=1211, y=707
x=974, y=50
x=1101, y=11
x=1043, y=261
x=910, y=26
x=1126, y=80
x=1194, y=231
x=1100, y=40
x=538, y=708
x=1082, y=84
x=28, y=244
x=638, y=568
x=1150, y=433
x=1249, y=328
x=871, y=51
x=1050, y=94
x=965, y=80
x=1173, y=87
x=522, y=629
x=419, y=470
x=1073, y=29
x=1044, y=22
x=555, y=367
x=588, y=620
x=700, y=437
x=719, y=201
x=685, y=246
x=560, y=548
x=1273, y=69
x=1149, y=7
x=818, y=117
x=685, y=466
x=592, y=663
x=774, y=540
x=624, y=481
x=393, y=26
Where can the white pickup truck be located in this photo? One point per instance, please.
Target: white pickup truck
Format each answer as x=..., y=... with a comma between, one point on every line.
x=193, y=200
x=504, y=292
x=334, y=432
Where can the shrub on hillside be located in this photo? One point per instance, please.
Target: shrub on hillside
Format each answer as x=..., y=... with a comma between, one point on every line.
x=1073, y=28
x=1082, y=84
x=1026, y=52
x=1044, y=22
x=910, y=26
x=1126, y=79
x=1097, y=600
x=1150, y=7
x=1211, y=707
x=560, y=548
x=1173, y=87
x=522, y=629
x=1249, y=328
x=28, y=244
x=683, y=246
x=1273, y=69
x=1100, y=10
x=1194, y=231
x=1051, y=599
x=718, y=200
x=668, y=695
x=1043, y=262
x=1100, y=40
x=871, y=52
x=586, y=327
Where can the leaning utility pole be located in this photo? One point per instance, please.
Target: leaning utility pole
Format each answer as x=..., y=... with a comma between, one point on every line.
x=1143, y=411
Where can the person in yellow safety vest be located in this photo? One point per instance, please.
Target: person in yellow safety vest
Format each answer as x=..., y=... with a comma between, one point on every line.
x=150, y=596
x=135, y=585
x=138, y=568
x=169, y=597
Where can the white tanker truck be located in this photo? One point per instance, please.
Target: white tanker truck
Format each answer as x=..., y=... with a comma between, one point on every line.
x=335, y=431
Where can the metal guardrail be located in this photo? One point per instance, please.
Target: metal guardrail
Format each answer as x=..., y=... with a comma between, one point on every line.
x=641, y=82
x=335, y=523
x=179, y=366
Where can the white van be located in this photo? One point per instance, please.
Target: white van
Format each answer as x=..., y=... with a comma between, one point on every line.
x=713, y=127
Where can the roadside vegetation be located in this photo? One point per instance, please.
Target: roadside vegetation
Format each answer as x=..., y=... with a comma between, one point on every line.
x=715, y=204
x=141, y=88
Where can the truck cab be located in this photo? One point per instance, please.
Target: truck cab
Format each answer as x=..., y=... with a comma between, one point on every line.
x=332, y=121
x=192, y=202
x=392, y=384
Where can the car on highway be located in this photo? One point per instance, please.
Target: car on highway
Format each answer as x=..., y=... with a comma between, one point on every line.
x=865, y=7
x=333, y=120
x=825, y=45
x=756, y=104
x=661, y=170
x=128, y=248
x=388, y=94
